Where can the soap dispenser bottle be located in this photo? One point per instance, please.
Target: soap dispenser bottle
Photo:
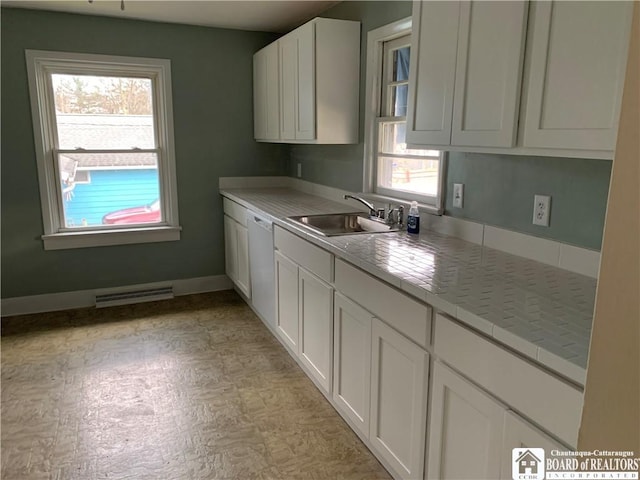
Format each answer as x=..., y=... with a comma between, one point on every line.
x=413, y=219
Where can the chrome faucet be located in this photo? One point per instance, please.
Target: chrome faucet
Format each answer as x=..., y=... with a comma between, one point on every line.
x=399, y=215
x=372, y=210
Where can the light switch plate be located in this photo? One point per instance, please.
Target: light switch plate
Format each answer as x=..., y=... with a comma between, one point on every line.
x=458, y=194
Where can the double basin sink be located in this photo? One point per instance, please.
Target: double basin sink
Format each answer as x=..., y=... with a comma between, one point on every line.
x=343, y=224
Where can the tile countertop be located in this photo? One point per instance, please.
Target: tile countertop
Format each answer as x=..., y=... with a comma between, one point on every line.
x=543, y=312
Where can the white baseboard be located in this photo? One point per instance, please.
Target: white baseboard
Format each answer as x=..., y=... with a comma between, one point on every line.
x=52, y=302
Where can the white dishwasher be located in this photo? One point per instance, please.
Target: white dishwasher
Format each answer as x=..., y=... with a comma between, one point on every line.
x=263, y=291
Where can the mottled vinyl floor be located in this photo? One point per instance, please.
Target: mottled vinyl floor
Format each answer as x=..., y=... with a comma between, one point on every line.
x=192, y=388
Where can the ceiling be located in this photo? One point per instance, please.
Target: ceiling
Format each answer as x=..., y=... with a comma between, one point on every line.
x=267, y=15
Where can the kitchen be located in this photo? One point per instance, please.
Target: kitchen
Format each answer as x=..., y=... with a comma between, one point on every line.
x=498, y=194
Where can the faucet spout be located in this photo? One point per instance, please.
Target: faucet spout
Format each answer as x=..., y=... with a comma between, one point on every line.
x=372, y=209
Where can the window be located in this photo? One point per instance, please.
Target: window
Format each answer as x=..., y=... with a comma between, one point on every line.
x=391, y=169
x=104, y=143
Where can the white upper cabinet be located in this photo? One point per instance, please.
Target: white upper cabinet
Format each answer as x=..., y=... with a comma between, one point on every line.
x=577, y=53
x=432, y=72
x=518, y=77
x=488, y=72
x=316, y=85
x=464, y=86
x=266, y=94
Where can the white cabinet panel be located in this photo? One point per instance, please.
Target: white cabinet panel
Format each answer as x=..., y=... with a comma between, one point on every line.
x=287, y=300
x=305, y=83
x=297, y=86
x=578, y=58
x=266, y=94
x=242, y=280
x=432, y=72
x=288, y=52
x=399, y=371
x=465, y=431
x=230, y=248
x=488, y=72
x=352, y=362
x=316, y=327
x=519, y=433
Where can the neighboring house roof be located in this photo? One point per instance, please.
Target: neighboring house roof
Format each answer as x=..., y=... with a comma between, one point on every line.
x=105, y=132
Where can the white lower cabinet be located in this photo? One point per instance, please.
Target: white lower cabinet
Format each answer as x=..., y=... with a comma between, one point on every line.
x=236, y=244
x=315, y=326
x=465, y=431
x=287, y=301
x=471, y=435
x=518, y=433
x=399, y=380
x=304, y=318
x=352, y=362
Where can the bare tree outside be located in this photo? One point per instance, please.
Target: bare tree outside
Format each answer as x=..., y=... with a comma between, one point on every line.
x=84, y=94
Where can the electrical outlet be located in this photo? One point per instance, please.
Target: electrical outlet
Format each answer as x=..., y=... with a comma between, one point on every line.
x=299, y=170
x=541, y=210
x=458, y=194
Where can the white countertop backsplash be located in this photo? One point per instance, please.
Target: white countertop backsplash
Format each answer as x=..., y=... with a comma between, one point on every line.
x=543, y=312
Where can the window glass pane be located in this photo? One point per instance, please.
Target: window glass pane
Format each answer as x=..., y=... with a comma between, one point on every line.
x=392, y=140
x=398, y=97
x=119, y=189
x=409, y=175
x=95, y=112
x=401, y=64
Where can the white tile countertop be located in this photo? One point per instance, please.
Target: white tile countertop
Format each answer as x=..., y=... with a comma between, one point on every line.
x=543, y=312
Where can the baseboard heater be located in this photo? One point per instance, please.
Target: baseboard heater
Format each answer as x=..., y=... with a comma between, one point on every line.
x=134, y=296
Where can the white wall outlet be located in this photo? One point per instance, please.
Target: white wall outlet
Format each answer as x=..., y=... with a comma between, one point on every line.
x=541, y=210
x=299, y=170
x=458, y=194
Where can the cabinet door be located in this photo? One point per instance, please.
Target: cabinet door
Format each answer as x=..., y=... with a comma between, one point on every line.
x=399, y=371
x=465, y=431
x=352, y=362
x=242, y=247
x=287, y=300
x=260, y=95
x=518, y=433
x=230, y=248
x=297, y=84
x=488, y=73
x=577, y=64
x=316, y=327
x=266, y=93
x=432, y=72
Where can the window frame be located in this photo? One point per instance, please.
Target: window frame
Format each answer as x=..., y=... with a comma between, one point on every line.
x=40, y=66
x=375, y=83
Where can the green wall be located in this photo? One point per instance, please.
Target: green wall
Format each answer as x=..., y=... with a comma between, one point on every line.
x=213, y=122
x=499, y=189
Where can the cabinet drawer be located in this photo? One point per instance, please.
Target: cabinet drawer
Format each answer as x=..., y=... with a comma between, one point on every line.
x=545, y=399
x=317, y=261
x=235, y=211
x=403, y=313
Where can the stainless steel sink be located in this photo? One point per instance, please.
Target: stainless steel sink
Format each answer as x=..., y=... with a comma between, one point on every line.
x=343, y=224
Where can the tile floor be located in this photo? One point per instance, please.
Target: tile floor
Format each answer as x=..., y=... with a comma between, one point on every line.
x=193, y=388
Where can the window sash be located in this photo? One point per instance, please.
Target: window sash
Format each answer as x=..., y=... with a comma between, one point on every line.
x=40, y=66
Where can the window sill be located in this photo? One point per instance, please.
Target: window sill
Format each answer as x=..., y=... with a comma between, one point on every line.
x=68, y=240
x=423, y=207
